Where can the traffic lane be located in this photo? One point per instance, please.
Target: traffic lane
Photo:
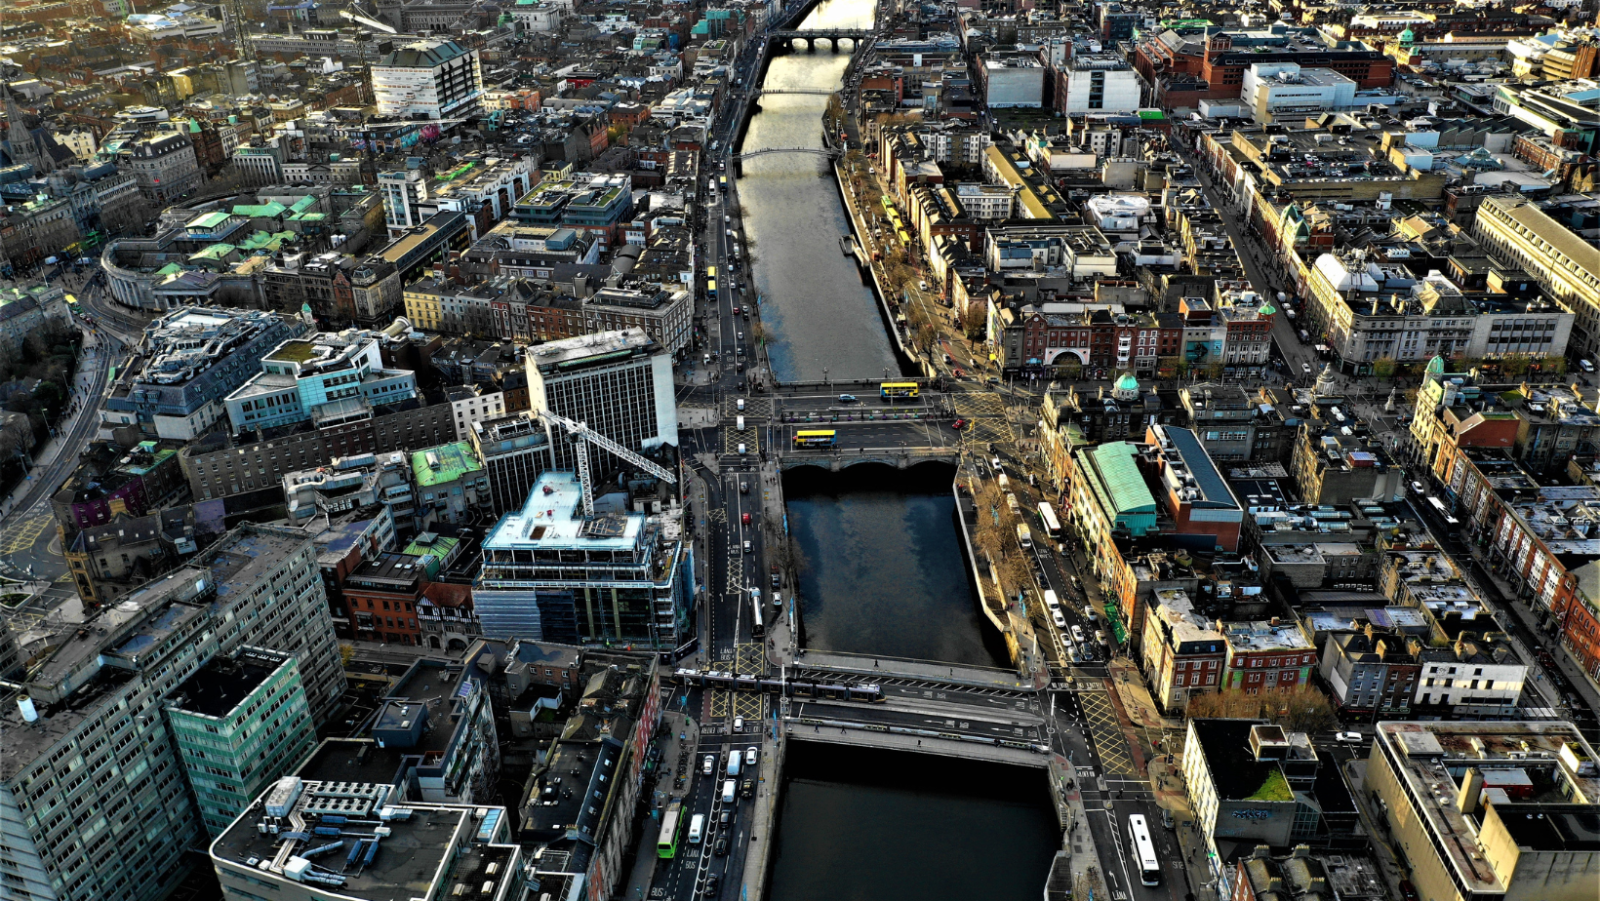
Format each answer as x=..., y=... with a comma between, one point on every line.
x=1011, y=729
x=985, y=700
x=875, y=434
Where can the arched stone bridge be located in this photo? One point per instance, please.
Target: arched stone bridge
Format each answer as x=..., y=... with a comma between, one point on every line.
x=832, y=35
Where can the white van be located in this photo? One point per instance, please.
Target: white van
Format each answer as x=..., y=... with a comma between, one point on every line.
x=741, y=450
x=1050, y=599
x=697, y=828
x=739, y=404
x=738, y=423
x=733, y=763
x=729, y=789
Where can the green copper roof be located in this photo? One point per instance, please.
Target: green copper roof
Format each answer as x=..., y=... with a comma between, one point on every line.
x=453, y=461
x=1127, y=382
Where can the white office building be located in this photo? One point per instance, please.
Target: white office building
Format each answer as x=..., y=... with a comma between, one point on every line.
x=437, y=79
x=1101, y=83
x=1285, y=89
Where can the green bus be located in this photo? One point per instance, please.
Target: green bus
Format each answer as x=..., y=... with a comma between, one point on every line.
x=671, y=825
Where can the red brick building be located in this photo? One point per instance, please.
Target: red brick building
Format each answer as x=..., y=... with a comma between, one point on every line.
x=381, y=598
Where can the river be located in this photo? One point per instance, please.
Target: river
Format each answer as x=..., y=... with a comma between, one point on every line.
x=862, y=824
x=880, y=566
x=816, y=312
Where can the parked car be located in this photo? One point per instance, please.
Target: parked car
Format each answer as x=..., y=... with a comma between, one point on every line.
x=1350, y=737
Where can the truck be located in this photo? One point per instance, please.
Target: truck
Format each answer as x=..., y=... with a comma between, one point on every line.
x=1024, y=537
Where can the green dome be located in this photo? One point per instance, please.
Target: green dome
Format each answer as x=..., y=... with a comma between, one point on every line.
x=1408, y=36
x=1127, y=382
x=1267, y=309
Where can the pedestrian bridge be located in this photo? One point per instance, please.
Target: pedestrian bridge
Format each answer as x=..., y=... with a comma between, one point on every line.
x=829, y=152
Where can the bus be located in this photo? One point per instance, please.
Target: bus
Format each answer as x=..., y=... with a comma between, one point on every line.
x=758, y=626
x=711, y=289
x=892, y=390
x=1443, y=511
x=671, y=825
x=1047, y=518
x=1144, y=850
x=815, y=438
x=711, y=273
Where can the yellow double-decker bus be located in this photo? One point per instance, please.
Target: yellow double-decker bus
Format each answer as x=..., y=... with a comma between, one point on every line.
x=894, y=390
x=815, y=438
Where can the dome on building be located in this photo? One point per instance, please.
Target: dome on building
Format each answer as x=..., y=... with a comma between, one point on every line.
x=1126, y=387
x=1408, y=37
x=1267, y=309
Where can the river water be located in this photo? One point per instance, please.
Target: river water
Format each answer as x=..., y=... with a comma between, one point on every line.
x=862, y=824
x=880, y=566
x=816, y=312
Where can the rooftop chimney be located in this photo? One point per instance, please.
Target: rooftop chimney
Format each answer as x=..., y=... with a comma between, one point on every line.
x=1471, y=788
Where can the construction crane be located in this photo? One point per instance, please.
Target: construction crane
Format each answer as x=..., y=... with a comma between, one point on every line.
x=372, y=23
x=586, y=436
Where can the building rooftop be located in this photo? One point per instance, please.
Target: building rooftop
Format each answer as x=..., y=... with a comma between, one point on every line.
x=1429, y=756
x=552, y=518
x=1264, y=636
x=218, y=686
x=421, y=843
x=592, y=348
x=445, y=463
x=1184, y=453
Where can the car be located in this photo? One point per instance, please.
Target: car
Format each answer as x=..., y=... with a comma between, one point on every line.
x=1166, y=818
x=735, y=311
x=1350, y=737
x=750, y=756
x=747, y=547
x=959, y=424
x=1408, y=892
x=748, y=789
x=747, y=519
x=923, y=285
x=724, y=819
x=993, y=380
x=847, y=398
x=713, y=882
x=1306, y=368
x=738, y=724
x=1418, y=488
x=721, y=847
x=1077, y=635
x=744, y=487
x=995, y=465
x=710, y=764
x=1060, y=621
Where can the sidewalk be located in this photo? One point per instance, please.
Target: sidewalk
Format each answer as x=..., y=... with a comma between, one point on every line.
x=1156, y=743
x=680, y=739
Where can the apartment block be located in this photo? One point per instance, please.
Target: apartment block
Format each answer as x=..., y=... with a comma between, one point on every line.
x=239, y=723
x=94, y=802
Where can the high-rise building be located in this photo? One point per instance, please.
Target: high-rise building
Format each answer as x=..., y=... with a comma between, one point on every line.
x=240, y=723
x=617, y=383
x=515, y=450
x=437, y=79
x=93, y=799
